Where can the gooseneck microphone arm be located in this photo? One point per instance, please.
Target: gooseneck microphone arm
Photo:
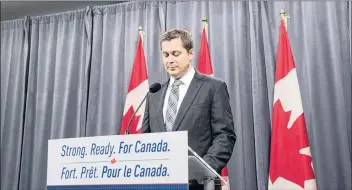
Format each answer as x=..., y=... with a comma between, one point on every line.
x=153, y=88
x=135, y=112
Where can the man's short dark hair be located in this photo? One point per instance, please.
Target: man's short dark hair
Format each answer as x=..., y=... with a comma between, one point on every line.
x=185, y=36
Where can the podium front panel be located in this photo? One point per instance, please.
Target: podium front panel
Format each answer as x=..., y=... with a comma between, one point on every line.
x=137, y=161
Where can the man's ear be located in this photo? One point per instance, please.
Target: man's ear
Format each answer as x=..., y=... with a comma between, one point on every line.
x=191, y=53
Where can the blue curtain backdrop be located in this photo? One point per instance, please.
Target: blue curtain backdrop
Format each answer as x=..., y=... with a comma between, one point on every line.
x=66, y=75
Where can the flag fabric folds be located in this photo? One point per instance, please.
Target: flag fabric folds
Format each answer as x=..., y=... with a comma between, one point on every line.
x=204, y=59
x=290, y=157
x=205, y=67
x=137, y=88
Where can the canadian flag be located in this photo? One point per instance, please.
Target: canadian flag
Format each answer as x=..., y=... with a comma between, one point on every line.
x=290, y=157
x=137, y=88
x=205, y=67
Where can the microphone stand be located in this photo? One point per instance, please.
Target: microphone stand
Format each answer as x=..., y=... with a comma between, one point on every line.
x=135, y=112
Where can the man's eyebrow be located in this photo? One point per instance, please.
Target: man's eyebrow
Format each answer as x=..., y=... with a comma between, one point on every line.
x=174, y=51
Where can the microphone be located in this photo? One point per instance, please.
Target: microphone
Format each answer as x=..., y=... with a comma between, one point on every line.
x=153, y=88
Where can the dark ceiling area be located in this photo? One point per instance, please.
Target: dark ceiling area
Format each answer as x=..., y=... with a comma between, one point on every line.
x=11, y=10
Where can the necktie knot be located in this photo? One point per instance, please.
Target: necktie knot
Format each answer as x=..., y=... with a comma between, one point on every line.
x=177, y=83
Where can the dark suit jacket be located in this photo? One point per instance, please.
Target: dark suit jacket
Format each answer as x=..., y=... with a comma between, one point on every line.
x=205, y=113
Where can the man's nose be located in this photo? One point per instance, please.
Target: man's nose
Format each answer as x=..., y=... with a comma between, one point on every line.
x=170, y=60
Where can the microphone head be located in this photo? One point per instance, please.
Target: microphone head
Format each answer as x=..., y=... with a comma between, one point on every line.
x=154, y=87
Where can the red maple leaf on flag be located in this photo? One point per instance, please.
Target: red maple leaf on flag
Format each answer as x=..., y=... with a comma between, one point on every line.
x=287, y=162
x=134, y=121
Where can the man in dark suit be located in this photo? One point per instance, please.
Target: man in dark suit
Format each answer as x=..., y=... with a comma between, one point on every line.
x=191, y=101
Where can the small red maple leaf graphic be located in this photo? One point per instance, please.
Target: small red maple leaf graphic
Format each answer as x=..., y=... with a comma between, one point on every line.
x=134, y=122
x=286, y=161
x=113, y=161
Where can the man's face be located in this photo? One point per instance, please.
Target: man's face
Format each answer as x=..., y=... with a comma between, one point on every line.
x=176, y=58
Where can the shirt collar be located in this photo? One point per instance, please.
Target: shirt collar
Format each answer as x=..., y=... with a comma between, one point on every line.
x=186, y=79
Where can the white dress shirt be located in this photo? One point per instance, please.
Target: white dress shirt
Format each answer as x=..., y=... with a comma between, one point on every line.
x=186, y=81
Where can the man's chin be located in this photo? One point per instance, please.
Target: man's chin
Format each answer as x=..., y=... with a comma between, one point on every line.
x=174, y=74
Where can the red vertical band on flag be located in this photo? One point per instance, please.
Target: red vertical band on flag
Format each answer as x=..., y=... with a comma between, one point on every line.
x=284, y=58
x=139, y=70
x=290, y=157
x=204, y=60
x=137, y=88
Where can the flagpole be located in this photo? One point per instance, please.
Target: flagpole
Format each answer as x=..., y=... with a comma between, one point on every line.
x=141, y=33
x=284, y=17
x=205, y=25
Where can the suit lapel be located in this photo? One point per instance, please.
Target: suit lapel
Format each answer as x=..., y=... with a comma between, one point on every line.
x=160, y=115
x=191, y=93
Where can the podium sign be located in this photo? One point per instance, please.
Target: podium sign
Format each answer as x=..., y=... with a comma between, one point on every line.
x=137, y=161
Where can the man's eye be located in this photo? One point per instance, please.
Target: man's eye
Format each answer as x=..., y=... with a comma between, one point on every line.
x=176, y=54
x=166, y=54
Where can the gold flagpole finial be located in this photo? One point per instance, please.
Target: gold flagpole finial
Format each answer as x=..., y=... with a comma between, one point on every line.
x=141, y=33
x=140, y=29
x=284, y=16
x=205, y=24
x=205, y=19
